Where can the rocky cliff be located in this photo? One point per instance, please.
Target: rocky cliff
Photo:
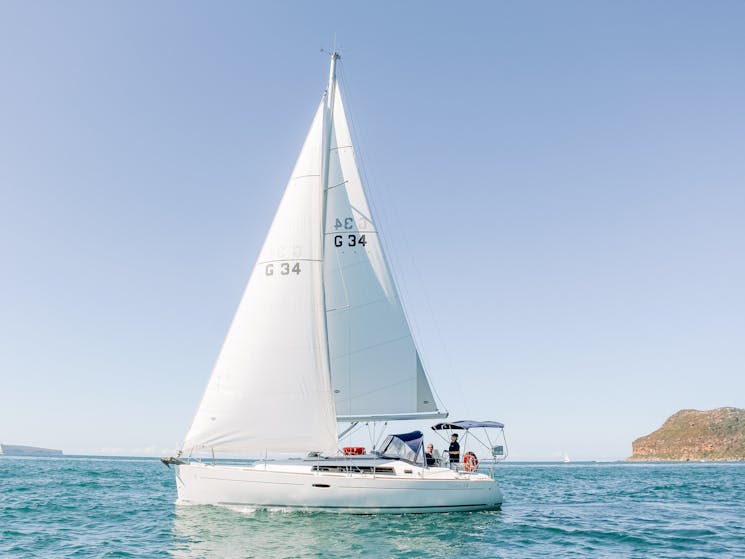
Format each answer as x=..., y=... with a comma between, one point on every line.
x=693, y=435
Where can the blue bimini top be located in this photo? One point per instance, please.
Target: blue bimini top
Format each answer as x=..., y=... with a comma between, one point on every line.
x=467, y=424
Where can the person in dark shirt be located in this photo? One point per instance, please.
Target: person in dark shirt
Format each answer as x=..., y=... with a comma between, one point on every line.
x=428, y=456
x=454, y=449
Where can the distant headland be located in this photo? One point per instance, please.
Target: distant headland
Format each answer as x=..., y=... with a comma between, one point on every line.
x=693, y=435
x=19, y=450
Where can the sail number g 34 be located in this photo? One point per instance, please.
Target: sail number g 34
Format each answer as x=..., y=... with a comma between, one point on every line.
x=282, y=268
x=351, y=240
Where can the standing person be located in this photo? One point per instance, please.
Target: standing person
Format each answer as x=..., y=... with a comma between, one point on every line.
x=430, y=459
x=454, y=449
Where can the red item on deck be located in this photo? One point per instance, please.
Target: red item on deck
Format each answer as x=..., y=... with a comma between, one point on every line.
x=354, y=450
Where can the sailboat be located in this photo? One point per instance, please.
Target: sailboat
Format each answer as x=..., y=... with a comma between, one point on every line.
x=320, y=338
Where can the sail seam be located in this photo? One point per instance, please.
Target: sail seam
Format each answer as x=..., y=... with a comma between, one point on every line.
x=290, y=258
x=371, y=347
x=384, y=299
x=345, y=231
x=342, y=183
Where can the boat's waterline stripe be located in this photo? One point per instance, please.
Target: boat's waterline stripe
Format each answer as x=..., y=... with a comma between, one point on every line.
x=224, y=503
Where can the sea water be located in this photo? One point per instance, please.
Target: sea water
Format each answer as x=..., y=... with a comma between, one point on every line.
x=124, y=507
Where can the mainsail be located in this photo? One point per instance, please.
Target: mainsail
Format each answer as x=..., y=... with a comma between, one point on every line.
x=376, y=371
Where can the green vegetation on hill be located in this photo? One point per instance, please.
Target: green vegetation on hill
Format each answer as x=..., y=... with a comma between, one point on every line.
x=693, y=435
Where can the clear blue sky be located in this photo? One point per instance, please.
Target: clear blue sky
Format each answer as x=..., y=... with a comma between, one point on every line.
x=561, y=185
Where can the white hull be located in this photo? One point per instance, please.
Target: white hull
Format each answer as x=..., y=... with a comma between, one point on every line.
x=402, y=489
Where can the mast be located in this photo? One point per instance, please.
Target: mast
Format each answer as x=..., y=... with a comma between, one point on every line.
x=328, y=127
x=326, y=151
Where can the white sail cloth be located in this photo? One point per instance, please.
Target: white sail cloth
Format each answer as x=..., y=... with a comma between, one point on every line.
x=320, y=333
x=376, y=372
x=270, y=387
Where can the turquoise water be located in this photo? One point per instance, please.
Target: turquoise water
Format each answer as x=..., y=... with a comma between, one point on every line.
x=109, y=507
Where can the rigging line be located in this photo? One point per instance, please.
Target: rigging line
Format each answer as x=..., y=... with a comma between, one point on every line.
x=373, y=434
x=382, y=432
x=349, y=430
x=436, y=326
x=480, y=441
x=387, y=255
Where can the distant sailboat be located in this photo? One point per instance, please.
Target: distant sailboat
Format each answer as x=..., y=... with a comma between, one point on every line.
x=320, y=336
x=566, y=458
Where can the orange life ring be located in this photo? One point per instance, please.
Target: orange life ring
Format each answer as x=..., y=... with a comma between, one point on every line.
x=470, y=462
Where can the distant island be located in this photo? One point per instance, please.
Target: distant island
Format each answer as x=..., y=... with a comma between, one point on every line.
x=693, y=435
x=20, y=450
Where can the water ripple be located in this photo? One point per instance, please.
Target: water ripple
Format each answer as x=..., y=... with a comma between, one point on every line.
x=106, y=507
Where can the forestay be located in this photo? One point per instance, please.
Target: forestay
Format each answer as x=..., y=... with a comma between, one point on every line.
x=376, y=371
x=270, y=390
